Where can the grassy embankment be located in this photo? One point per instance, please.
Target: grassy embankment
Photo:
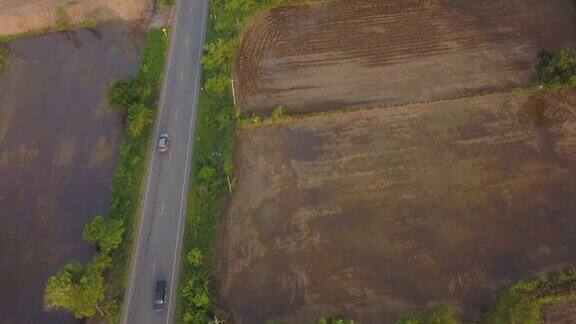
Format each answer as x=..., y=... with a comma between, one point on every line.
x=137, y=97
x=212, y=179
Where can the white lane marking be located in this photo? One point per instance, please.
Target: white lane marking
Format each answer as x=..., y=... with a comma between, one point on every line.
x=187, y=39
x=176, y=113
x=162, y=209
x=154, y=268
x=181, y=74
x=192, y=119
x=175, y=23
x=170, y=157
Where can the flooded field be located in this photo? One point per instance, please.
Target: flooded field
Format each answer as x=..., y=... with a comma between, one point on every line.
x=341, y=53
x=58, y=144
x=384, y=212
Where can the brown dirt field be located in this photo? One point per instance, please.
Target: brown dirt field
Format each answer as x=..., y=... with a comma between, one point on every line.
x=18, y=16
x=383, y=212
x=562, y=312
x=344, y=53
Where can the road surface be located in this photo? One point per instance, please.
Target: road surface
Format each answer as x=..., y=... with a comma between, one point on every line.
x=157, y=248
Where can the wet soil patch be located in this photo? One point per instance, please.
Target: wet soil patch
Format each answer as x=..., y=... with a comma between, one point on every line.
x=58, y=144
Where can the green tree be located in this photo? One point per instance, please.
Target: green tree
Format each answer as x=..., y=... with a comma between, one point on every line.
x=556, y=69
x=139, y=117
x=515, y=306
x=219, y=54
x=107, y=235
x=77, y=288
x=125, y=93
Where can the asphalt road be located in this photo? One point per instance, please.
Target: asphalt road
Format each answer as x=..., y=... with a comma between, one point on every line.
x=160, y=228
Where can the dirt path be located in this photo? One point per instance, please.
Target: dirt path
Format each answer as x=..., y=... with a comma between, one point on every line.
x=372, y=52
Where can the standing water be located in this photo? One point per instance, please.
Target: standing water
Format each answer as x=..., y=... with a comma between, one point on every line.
x=58, y=146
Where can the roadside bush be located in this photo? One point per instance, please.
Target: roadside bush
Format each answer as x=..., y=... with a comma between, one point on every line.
x=77, y=288
x=139, y=117
x=438, y=315
x=522, y=302
x=125, y=93
x=62, y=19
x=107, y=235
x=556, y=69
x=338, y=319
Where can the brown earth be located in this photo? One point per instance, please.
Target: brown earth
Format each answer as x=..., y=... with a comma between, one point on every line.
x=344, y=53
x=384, y=212
x=560, y=312
x=58, y=145
x=18, y=16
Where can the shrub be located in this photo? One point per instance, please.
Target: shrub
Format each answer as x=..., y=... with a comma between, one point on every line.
x=278, y=114
x=139, y=117
x=337, y=319
x=125, y=93
x=78, y=288
x=62, y=18
x=556, y=69
x=437, y=315
x=107, y=235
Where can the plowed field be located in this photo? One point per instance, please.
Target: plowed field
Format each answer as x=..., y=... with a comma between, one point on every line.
x=381, y=212
x=346, y=53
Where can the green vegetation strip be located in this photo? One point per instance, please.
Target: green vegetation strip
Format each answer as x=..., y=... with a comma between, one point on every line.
x=3, y=57
x=212, y=178
x=99, y=285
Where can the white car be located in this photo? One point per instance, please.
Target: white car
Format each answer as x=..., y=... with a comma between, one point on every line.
x=163, y=142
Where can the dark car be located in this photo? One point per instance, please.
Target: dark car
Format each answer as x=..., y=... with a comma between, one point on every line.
x=160, y=296
x=163, y=142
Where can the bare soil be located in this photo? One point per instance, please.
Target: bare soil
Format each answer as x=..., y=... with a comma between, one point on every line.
x=58, y=145
x=18, y=16
x=338, y=54
x=383, y=212
x=560, y=312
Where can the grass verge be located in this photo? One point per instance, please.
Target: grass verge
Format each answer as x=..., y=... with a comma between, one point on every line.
x=211, y=178
x=141, y=91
